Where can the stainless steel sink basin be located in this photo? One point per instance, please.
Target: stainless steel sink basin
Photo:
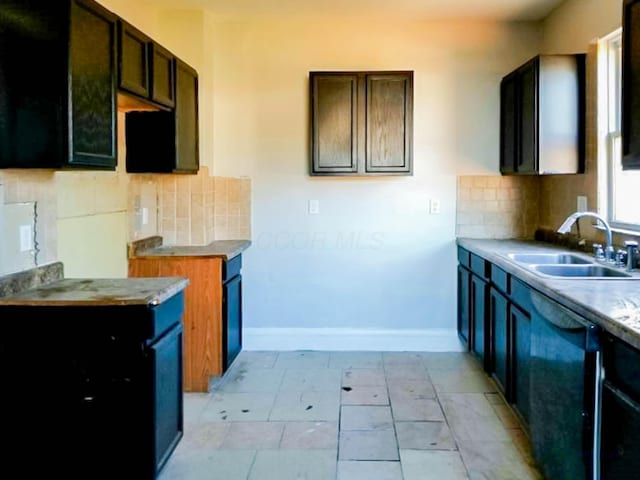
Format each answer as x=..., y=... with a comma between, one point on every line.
x=548, y=258
x=580, y=271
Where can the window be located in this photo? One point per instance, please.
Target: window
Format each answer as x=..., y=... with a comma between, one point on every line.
x=618, y=187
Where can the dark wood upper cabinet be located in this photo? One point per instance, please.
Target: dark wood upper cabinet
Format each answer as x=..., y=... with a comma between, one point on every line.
x=166, y=141
x=542, y=117
x=146, y=69
x=631, y=85
x=69, y=120
x=361, y=123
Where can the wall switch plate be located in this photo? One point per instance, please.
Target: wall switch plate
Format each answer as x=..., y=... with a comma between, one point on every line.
x=26, y=238
x=582, y=203
x=314, y=207
x=145, y=215
x=434, y=206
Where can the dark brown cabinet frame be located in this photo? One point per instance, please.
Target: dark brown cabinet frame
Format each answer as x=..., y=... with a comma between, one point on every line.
x=631, y=85
x=361, y=123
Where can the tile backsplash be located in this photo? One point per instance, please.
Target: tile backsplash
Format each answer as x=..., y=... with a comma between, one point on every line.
x=497, y=206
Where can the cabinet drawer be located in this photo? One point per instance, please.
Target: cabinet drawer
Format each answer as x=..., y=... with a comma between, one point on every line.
x=231, y=268
x=464, y=257
x=480, y=266
x=499, y=278
x=520, y=293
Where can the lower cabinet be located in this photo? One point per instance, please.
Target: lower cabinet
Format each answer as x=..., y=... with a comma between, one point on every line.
x=464, y=317
x=213, y=311
x=520, y=358
x=499, y=325
x=95, y=392
x=479, y=311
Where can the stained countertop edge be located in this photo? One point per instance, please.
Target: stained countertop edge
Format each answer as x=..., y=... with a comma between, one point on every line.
x=173, y=286
x=225, y=249
x=491, y=250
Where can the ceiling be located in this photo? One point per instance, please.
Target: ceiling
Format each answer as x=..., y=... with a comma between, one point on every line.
x=511, y=10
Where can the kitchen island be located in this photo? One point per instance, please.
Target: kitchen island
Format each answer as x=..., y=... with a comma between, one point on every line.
x=92, y=370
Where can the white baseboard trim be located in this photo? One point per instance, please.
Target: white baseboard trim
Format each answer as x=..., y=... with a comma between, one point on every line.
x=341, y=339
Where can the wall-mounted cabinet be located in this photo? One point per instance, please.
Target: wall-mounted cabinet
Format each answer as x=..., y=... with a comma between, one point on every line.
x=58, y=84
x=166, y=142
x=361, y=123
x=146, y=69
x=631, y=85
x=542, y=115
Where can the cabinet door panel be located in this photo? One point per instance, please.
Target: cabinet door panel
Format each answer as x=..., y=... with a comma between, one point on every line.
x=232, y=319
x=334, y=123
x=186, y=119
x=499, y=328
x=631, y=85
x=508, y=125
x=134, y=60
x=620, y=454
x=93, y=89
x=521, y=331
x=388, y=131
x=528, y=155
x=163, y=68
x=464, y=279
x=479, y=301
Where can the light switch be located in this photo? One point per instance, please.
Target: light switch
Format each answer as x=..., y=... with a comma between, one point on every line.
x=314, y=207
x=582, y=203
x=145, y=215
x=26, y=238
x=434, y=206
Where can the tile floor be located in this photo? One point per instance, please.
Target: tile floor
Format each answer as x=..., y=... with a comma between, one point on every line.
x=351, y=416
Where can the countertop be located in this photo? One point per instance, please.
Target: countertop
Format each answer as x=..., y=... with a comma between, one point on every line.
x=99, y=292
x=152, y=247
x=613, y=304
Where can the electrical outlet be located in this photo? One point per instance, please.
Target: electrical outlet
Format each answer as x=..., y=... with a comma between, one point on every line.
x=434, y=206
x=314, y=207
x=582, y=203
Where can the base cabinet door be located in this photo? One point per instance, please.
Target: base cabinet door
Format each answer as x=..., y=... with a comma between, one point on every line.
x=521, y=341
x=464, y=279
x=620, y=447
x=232, y=319
x=479, y=296
x=499, y=328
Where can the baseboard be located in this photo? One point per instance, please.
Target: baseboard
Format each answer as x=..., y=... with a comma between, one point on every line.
x=341, y=339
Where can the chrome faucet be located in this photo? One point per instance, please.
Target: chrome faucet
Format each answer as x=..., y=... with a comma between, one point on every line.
x=609, y=251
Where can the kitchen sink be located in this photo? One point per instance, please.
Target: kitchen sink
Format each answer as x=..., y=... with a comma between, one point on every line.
x=580, y=271
x=548, y=258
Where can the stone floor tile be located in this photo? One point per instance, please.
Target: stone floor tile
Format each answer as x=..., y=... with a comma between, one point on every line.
x=440, y=465
x=424, y=436
x=461, y=381
x=357, y=417
x=363, y=376
x=351, y=360
x=306, y=406
x=361, y=395
x=368, y=445
x=416, y=410
x=449, y=361
x=238, y=407
x=362, y=470
x=312, y=379
x=203, y=435
x=506, y=415
x=209, y=464
x=411, y=391
x=310, y=435
x=471, y=417
x=302, y=359
x=255, y=360
x=193, y=406
x=243, y=380
x=405, y=374
x=495, y=460
x=402, y=359
x=253, y=435
x=293, y=465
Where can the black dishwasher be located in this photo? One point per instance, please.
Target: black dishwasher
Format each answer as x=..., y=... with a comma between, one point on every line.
x=565, y=389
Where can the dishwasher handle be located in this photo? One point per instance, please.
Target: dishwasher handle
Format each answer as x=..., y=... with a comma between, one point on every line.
x=566, y=323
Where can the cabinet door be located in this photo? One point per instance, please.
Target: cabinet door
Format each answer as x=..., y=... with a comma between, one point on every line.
x=464, y=318
x=528, y=118
x=631, y=85
x=480, y=333
x=231, y=320
x=165, y=357
x=92, y=137
x=334, y=123
x=499, y=328
x=186, y=119
x=620, y=451
x=508, y=124
x=133, y=74
x=163, y=76
x=389, y=121
x=521, y=341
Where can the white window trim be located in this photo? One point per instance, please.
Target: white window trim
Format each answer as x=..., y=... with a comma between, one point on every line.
x=606, y=134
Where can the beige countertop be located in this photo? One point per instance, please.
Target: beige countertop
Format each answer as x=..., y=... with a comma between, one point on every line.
x=612, y=303
x=225, y=249
x=99, y=292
